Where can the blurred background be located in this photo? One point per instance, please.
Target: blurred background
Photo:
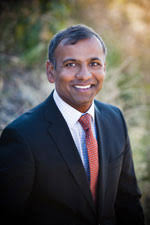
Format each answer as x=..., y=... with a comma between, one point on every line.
x=26, y=28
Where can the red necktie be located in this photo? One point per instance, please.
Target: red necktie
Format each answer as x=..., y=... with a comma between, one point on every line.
x=92, y=149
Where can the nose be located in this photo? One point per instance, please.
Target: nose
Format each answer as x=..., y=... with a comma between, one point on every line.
x=83, y=73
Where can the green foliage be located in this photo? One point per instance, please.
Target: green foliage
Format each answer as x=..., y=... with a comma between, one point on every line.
x=30, y=27
x=114, y=56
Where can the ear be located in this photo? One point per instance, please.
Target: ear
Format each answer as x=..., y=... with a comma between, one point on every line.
x=50, y=72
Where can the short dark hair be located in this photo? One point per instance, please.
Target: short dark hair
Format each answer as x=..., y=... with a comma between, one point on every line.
x=73, y=34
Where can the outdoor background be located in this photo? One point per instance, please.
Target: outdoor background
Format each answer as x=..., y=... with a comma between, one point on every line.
x=25, y=30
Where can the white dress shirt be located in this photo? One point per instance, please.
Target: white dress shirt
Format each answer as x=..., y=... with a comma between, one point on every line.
x=71, y=116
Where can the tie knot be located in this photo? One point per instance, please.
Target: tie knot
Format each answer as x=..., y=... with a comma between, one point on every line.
x=85, y=121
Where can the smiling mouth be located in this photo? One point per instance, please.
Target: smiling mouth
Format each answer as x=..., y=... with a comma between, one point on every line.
x=83, y=87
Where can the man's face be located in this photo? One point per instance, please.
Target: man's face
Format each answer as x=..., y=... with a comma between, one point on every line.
x=79, y=72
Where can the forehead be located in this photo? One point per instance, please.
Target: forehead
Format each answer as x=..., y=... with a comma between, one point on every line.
x=82, y=49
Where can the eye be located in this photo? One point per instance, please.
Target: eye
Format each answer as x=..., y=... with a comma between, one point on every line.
x=95, y=64
x=71, y=64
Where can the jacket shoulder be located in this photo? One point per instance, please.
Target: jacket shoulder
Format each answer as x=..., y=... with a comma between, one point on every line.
x=112, y=115
x=29, y=120
x=107, y=108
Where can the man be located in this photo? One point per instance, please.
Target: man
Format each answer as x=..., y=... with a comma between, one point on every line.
x=68, y=161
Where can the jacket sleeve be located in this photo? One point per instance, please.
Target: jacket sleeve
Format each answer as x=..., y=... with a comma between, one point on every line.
x=16, y=175
x=128, y=208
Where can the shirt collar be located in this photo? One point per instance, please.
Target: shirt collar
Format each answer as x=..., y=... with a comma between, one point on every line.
x=68, y=110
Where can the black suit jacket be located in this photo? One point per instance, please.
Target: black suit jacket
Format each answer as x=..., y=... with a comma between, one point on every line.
x=43, y=181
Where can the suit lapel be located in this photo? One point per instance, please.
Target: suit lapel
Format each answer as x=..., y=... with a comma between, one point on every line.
x=60, y=133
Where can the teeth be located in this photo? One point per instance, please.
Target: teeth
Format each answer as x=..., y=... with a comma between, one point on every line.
x=83, y=87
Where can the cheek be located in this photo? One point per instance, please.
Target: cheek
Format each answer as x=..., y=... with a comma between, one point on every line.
x=100, y=77
x=64, y=79
x=62, y=83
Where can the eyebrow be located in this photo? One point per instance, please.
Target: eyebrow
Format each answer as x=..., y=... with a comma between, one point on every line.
x=75, y=60
x=69, y=59
x=96, y=58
